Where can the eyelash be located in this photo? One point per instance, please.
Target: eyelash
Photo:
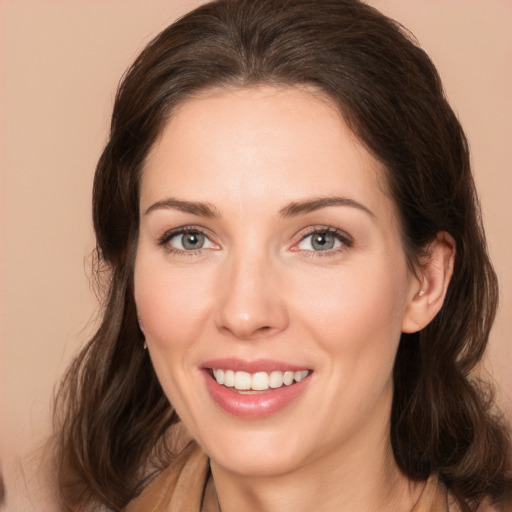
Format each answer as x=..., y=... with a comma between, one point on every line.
x=169, y=235
x=345, y=240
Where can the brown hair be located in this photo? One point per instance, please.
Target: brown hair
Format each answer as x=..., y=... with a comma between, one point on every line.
x=115, y=415
x=2, y=490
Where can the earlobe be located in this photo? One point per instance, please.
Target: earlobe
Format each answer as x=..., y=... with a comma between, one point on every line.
x=428, y=291
x=141, y=327
x=141, y=324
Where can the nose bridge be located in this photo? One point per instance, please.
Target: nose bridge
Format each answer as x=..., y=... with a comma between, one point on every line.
x=249, y=302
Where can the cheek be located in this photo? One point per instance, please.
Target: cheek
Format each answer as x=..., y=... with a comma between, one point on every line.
x=356, y=314
x=169, y=304
x=172, y=306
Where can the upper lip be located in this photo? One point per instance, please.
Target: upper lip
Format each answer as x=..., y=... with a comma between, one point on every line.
x=257, y=365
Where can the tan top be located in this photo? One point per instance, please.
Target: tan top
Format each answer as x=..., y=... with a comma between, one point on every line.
x=185, y=486
x=178, y=488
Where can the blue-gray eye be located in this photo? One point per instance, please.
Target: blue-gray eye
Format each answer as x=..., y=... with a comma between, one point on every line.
x=188, y=241
x=320, y=241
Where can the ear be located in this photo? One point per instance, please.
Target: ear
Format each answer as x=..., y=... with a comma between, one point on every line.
x=141, y=325
x=428, y=290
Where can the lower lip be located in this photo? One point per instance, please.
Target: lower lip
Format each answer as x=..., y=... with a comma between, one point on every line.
x=254, y=405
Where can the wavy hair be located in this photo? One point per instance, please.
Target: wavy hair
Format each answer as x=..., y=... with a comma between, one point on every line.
x=112, y=415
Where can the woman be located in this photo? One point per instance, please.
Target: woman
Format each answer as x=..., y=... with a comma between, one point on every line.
x=286, y=210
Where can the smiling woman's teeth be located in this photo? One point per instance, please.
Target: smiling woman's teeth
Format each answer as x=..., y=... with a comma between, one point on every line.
x=260, y=381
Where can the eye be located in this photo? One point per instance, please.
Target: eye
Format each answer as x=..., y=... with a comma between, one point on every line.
x=190, y=241
x=323, y=240
x=186, y=240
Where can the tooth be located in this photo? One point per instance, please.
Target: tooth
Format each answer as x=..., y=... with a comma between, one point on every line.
x=276, y=379
x=242, y=381
x=219, y=376
x=229, y=378
x=288, y=378
x=260, y=381
x=300, y=375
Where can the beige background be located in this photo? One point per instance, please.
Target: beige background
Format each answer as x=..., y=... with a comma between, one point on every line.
x=60, y=63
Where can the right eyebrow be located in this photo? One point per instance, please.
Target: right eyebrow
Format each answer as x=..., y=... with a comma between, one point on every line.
x=316, y=203
x=193, y=207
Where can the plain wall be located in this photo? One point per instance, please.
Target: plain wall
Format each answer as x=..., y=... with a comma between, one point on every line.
x=60, y=63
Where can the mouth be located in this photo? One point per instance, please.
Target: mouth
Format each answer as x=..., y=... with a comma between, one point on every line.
x=255, y=389
x=257, y=382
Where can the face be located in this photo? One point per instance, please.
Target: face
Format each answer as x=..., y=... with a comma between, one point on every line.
x=270, y=279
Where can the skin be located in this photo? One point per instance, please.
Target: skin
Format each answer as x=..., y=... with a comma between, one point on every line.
x=258, y=288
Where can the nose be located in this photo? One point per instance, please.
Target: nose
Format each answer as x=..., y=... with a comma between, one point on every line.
x=250, y=301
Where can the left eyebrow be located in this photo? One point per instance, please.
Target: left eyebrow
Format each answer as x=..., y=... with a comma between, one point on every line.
x=310, y=205
x=193, y=207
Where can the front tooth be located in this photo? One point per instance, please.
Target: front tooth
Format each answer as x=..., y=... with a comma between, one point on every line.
x=229, y=378
x=260, y=381
x=242, y=381
x=288, y=378
x=276, y=379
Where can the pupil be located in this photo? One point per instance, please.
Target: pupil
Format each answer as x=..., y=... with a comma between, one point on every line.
x=323, y=242
x=193, y=240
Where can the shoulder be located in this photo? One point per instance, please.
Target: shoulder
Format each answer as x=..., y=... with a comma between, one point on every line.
x=179, y=487
x=501, y=506
x=436, y=498
x=487, y=505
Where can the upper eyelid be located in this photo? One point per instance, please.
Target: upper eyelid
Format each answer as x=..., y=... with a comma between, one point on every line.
x=347, y=241
x=303, y=233
x=170, y=233
x=297, y=238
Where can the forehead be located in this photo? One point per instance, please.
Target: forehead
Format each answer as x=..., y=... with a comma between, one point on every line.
x=262, y=143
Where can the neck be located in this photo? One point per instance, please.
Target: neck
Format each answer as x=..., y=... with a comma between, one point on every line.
x=364, y=477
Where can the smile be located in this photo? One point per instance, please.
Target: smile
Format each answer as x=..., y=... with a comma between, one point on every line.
x=255, y=389
x=260, y=381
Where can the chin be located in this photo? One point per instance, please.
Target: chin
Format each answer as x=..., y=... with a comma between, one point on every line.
x=262, y=455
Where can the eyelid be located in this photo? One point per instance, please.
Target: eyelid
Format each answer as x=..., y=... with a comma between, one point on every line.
x=345, y=239
x=165, y=238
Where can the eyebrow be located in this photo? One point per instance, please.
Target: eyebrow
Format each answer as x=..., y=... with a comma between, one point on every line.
x=310, y=205
x=195, y=208
x=292, y=209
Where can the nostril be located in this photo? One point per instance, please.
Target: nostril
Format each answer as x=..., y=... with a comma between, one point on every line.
x=264, y=330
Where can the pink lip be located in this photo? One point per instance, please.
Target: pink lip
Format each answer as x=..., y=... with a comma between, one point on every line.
x=257, y=405
x=259, y=365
